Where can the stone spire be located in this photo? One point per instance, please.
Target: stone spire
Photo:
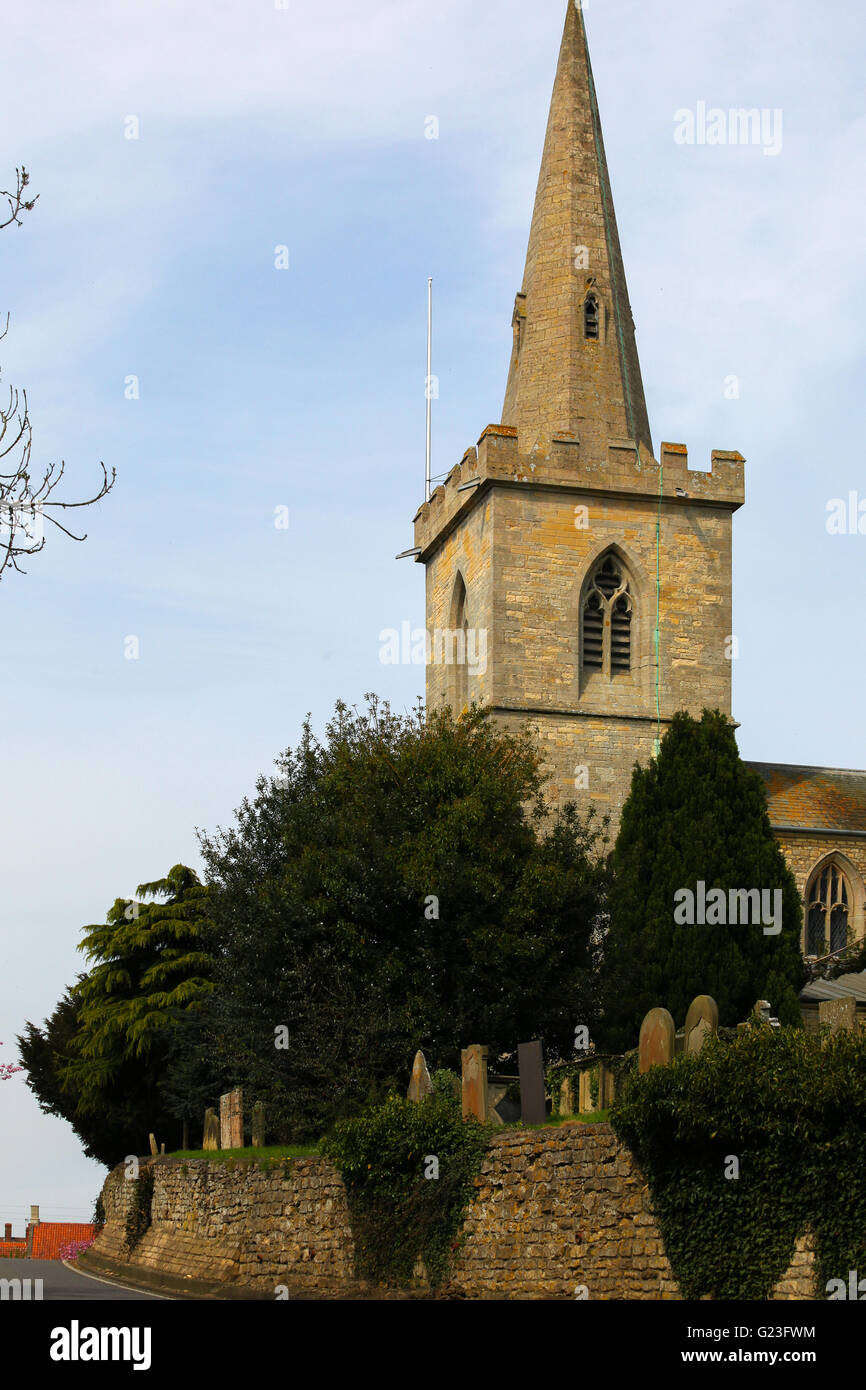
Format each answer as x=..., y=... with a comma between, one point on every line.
x=574, y=365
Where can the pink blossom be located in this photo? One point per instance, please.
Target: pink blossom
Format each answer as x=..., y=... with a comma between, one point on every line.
x=73, y=1249
x=7, y=1069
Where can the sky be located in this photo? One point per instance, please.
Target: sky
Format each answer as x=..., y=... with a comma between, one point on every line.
x=157, y=326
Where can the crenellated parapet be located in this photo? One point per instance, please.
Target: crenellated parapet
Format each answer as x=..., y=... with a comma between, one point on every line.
x=624, y=469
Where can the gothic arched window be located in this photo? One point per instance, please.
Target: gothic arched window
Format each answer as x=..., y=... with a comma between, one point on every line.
x=828, y=904
x=607, y=619
x=590, y=317
x=459, y=679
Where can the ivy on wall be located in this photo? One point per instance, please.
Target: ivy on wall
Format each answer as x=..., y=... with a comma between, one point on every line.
x=622, y=1068
x=408, y=1170
x=747, y=1145
x=138, y=1216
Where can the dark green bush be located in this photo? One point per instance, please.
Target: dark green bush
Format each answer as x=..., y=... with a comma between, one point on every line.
x=398, y=1214
x=792, y=1110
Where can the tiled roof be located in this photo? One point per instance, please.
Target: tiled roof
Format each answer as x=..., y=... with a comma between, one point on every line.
x=841, y=988
x=50, y=1236
x=814, y=798
x=12, y=1248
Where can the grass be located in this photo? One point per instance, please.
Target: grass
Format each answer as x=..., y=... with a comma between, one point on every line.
x=593, y=1117
x=275, y=1153
x=272, y=1153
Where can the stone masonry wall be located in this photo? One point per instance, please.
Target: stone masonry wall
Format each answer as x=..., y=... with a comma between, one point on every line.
x=525, y=543
x=553, y=1211
x=240, y=1224
x=559, y=1211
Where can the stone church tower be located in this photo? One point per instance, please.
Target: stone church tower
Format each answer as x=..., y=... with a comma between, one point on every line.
x=574, y=580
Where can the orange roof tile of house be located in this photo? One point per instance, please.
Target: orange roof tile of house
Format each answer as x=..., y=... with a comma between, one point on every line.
x=50, y=1236
x=814, y=798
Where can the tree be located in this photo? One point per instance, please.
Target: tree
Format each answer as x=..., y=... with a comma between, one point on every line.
x=114, y=1129
x=394, y=887
x=101, y=1060
x=696, y=814
x=25, y=504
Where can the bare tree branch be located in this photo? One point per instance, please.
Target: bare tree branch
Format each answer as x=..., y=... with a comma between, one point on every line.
x=16, y=200
x=24, y=508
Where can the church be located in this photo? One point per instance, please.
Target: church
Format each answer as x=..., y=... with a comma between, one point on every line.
x=600, y=571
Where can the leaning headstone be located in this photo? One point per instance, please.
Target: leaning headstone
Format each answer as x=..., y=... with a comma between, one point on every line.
x=232, y=1120
x=566, y=1097
x=259, y=1125
x=420, y=1085
x=530, y=1061
x=840, y=1014
x=473, y=1062
x=657, y=1038
x=154, y=1149
x=211, y=1139
x=702, y=1020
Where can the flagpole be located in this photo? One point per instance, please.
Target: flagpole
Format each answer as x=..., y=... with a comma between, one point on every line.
x=429, y=367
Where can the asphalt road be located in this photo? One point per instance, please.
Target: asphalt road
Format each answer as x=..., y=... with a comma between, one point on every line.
x=62, y=1285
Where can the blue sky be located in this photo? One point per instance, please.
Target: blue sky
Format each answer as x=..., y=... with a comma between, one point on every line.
x=304, y=388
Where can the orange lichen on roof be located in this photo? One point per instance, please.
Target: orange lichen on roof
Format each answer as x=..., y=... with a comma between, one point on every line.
x=814, y=798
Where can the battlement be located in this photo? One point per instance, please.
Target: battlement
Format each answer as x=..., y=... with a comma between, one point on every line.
x=625, y=468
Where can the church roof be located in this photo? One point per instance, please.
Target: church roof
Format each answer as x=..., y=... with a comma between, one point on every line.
x=814, y=798
x=842, y=988
x=563, y=380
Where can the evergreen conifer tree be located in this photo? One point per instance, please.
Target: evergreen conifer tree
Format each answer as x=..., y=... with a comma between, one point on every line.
x=696, y=815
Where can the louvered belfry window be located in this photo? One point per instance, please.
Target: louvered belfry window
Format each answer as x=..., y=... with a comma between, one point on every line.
x=590, y=317
x=607, y=618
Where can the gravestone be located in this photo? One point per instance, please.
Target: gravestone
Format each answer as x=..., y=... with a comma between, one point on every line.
x=211, y=1139
x=420, y=1085
x=259, y=1125
x=473, y=1062
x=232, y=1120
x=605, y=1086
x=566, y=1097
x=530, y=1062
x=763, y=1013
x=584, y=1101
x=502, y=1108
x=840, y=1014
x=657, y=1040
x=702, y=1020
x=496, y=1092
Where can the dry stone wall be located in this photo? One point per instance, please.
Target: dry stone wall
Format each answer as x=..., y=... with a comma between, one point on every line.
x=557, y=1213
x=241, y=1224
x=562, y=1214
